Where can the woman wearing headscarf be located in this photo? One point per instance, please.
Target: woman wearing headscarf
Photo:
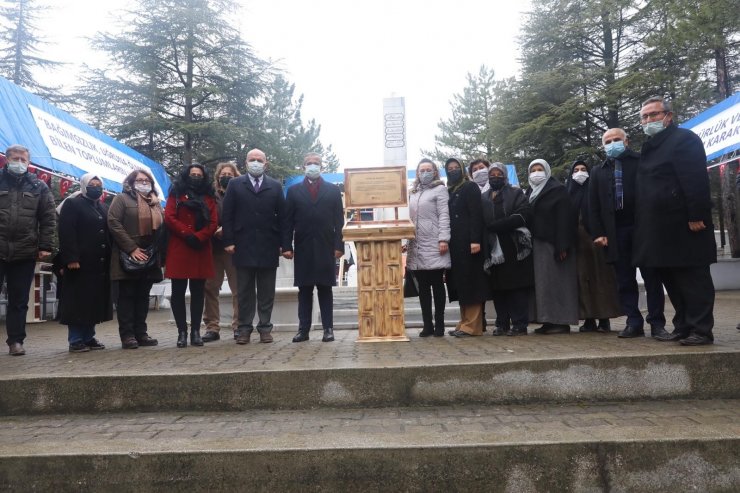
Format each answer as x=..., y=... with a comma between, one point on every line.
x=428, y=253
x=135, y=220
x=554, y=235
x=84, y=254
x=597, y=283
x=506, y=212
x=222, y=263
x=192, y=219
x=468, y=283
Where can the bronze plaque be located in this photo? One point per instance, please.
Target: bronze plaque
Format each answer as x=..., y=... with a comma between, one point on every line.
x=375, y=187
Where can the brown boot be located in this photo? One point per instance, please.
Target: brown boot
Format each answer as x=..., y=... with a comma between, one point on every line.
x=265, y=337
x=243, y=337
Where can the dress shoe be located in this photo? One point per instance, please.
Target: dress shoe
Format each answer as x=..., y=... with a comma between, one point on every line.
x=738, y=327
x=630, y=332
x=542, y=330
x=328, y=335
x=658, y=332
x=666, y=336
x=696, y=340
x=145, y=340
x=439, y=331
x=195, y=339
x=549, y=329
x=265, y=337
x=588, y=326
x=426, y=332
x=243, y=337
x=460, y=333
x=604, y=328
x=498, y=331
x=16, y=349
x=182, y=339
x=210, y=336
x=94, y=344
x=517, y=332
x=78, y=347
x=129, y=343
x=301, y=336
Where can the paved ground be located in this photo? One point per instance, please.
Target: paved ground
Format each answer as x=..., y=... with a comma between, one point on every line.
x=47, y=353
x=388, y=427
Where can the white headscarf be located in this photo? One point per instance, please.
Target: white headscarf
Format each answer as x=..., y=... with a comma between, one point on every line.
x=536, y=189
x=86, y=179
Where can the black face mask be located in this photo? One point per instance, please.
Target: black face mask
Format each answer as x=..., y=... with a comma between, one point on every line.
x=195, y=180
x=497, y=183
x=224, y=181
x=454, y=176
x=94, y=193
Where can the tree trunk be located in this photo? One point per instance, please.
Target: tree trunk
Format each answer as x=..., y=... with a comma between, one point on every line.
x=20, y=29
x=612, y=112
x=723, y=76
x=187, y=157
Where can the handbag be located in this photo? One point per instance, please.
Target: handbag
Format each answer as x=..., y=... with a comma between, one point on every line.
x=133, y=266
x=410, y=285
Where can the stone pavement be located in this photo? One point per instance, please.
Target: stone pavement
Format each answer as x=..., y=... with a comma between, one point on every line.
x=47, y=349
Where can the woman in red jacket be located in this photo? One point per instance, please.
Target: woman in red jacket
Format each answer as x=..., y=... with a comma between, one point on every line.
x=191, y=217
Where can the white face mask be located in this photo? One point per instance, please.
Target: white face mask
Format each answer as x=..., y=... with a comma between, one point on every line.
x=144, y=188
x=481, y=177
x=313, y=171
x=255, y=168
x=17, y=167
x=537, y=177
x=580, y=177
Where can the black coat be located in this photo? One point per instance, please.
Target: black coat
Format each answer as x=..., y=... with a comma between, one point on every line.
x=254, y=221
x=316, y=229
x=552, y=217
x=673, y=189
x=602, y=213
x=83, y=238
x=468, y=281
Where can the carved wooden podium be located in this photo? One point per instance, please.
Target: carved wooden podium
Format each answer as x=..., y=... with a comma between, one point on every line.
x=379, y=261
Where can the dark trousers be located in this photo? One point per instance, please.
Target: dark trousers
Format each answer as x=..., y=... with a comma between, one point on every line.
x=627, y=285
x=77, y=334
x=432, y=286
x=19, y=276
x=512, y=308
x=132, y=307
x=305, y=306
x=256, y=293
x=197, y=297
x=691, y=291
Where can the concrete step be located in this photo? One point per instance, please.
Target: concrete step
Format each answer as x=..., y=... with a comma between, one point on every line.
x=676, y=446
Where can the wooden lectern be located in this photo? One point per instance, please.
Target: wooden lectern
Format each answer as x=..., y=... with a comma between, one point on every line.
x=380, y=267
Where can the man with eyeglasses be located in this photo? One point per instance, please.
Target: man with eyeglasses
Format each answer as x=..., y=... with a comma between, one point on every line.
x=673, y=228
x=612, y=215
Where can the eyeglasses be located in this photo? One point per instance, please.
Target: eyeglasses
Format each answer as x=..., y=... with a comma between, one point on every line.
x=650, y=116
x=142, y=182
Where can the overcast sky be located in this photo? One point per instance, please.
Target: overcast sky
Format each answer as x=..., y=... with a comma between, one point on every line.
x=345, y=57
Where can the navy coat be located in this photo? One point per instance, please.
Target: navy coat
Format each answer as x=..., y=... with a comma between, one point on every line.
x=673, y=189
x=316, y=229
x=254, y=222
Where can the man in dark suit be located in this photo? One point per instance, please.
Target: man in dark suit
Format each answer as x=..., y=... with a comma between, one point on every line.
x=673, y=229
x=612, y=218
x=253, y=223
x=315, y=217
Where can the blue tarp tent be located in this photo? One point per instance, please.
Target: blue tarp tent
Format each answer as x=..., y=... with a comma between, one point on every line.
x=64, y=145
x=718, y=127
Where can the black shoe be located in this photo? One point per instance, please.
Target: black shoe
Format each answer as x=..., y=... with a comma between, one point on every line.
x=549, y=329
x=211, y=336
x=182, y=339
x=588, y=326
x=517, y=332
x=94, y=344
x=425, y=332
x=630, y=332
x=499, y=331
x=195, y=339
x=147, y=341
x=696, y=340
x=543, y=330
x=301, y=336
x=666, y=336
x=604, y=327
x=738, y=327
x=658, y=333
x=459, y=333
x=78, y=347
x=328, y=335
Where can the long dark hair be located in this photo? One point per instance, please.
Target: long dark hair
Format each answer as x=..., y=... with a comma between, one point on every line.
x=182, y=186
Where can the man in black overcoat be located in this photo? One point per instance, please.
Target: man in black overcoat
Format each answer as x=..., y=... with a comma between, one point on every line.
x=315, y=217
x=253, y=225
x=673, y=230
x=612, y=220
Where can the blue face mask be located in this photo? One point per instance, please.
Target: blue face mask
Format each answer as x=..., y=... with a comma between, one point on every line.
x=653, y=128
x=615, y=149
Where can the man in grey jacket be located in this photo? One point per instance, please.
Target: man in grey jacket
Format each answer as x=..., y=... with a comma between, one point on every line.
x=27, y=225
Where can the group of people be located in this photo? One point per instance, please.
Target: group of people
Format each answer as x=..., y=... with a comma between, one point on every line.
x=553, y=254
x=560, y=253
